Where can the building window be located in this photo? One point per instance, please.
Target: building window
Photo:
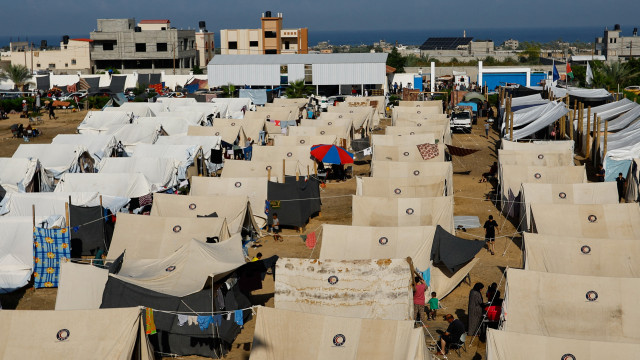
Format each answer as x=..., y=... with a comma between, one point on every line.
x=270, y=34
x=271, y=52
x=141, y=47
x=308, y=74
x=233, y=45
x=73, y=61
x=193, y=42
x=107, y=46
x=37, y=65
x=66, y=64
x=161, y=46
x=286, y=45
x=253, y=43
x=284, y=79
x=52, y=66
x=284, y=69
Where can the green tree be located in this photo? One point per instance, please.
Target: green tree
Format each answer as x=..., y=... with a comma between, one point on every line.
x=396, y=60
x=18, y=74
x=297, y=89
x=229, y=90
x=533, y=54
x=197, y=70
x=614, y=74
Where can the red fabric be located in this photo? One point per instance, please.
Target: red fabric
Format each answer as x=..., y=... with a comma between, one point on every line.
x=493, y=313
x=311, y=240
x=418, y=295
x=428, y=151
x=277, y=122
x=458, y=151
x=72, y=88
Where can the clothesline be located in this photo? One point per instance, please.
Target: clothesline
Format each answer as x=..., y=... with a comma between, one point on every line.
x=194, y=313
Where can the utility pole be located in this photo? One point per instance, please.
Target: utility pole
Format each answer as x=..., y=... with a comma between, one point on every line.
x=174, y=58
x=31, y=51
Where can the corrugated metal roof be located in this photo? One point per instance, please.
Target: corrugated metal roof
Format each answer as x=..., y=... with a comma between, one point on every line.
x=299, y=59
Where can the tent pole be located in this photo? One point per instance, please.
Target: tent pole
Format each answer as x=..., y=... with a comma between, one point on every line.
x=596, y=145
x=588, y=142
x=269, y=174
x=511, y=123
x=283, y=171
x=307, y=170
x=315, y=168
x=33, y=215
x=66, y=212
x=571, y=124
x=604, y=149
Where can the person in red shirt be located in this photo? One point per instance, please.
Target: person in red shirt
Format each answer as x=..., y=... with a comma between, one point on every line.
x=418, y=298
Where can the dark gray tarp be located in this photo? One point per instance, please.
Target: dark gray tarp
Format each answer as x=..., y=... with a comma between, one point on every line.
x=117, y=83
x=155, y=79
x=451, y=251
x=87, y=230
x=171, y=338
x=294, y=201
x=93, y=82
x=43, y=83
x=143, y=79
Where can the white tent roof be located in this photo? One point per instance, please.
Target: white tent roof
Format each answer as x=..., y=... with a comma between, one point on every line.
x=98, y=145
x=254, y=168
x=546, y=118
x=539, y=145
x=234, y=106
x=205, y=142
x=56, y=159
x=290, y=141
x=170, y=125
x=391, y=169
x=53, y=203
x=156, y=237
x=279, y=335
x=185, y=154
x=139, y=109
x=582, y=256
x=572, y=306
x=397, y=140
x=119, y=185
x=423, y=186
x=326, y=287
x=404, y=153
x=131, y=135
x=298, y=154
x=162, y=173
x=513, y=176
x=78, y=334
x=535, y=158
x=80, y=286
x=384, y=211
x=97, y=122
x=18, y=175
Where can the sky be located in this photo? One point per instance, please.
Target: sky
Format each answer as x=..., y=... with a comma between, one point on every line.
x=35, y=17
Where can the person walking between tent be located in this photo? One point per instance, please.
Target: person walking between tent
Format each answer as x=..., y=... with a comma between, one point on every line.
x=490, y=233
x=433, y=306
x=475, y=309
x=418, y=298
x=600, y=174
x=486, y=129
x=620, y=181
x=276, y=228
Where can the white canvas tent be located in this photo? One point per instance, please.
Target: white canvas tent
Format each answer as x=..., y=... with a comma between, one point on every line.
x=53, y=203
x=340, y=132
x=132, y=135
x=75, y=334
x=80, y=286
x=616, y=221
x=156, y=237
x=404, y=153
x=233, y=106
x=125, y=185
x=57, y=159
x=279, y=335
x=272, y=169
x=441, y=132
x=572, y=306
x=194, y=263
x=398, y=140
x=582, y=256
x=391, y=169
x=550, y=146
x=298, y=154
x=326, y=287
x=254, y=188
x=535, y=158
x=16, y=248
x=341, y=242
x=229, y=134
x=235, y=209
x=384, y=211
x=23, y=175
x=584, y=193
x=187, y=156
x=415, y=187
x=507, y=345
x=162, y=173
x=290, y=141
x=170, y=125
x=100, y=122
x=139, y=109
x=99, y=146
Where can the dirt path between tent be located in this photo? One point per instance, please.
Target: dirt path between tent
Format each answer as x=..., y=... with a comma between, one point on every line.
x=470, y=199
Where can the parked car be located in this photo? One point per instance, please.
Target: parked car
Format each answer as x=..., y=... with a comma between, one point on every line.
x=461, y=120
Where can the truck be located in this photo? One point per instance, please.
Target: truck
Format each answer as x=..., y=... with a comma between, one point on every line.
x=461, y=119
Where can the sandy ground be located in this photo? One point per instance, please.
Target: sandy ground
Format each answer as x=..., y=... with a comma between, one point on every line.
x=470, y=199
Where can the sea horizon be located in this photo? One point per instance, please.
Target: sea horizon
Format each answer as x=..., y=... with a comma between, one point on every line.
x=404, y=37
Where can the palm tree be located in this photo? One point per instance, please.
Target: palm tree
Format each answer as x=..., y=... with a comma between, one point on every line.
x=229, y=90
x=19, y=74
x=297, y=89
x=613, y=74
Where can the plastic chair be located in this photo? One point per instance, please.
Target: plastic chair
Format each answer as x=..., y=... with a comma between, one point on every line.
x=461, y=344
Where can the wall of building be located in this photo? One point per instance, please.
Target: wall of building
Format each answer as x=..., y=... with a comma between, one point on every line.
x=70, y=58
x=243, y=39
x=205, y=46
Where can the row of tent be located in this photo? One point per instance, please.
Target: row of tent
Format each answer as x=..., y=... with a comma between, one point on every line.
x=402, y=223
x=573, y=298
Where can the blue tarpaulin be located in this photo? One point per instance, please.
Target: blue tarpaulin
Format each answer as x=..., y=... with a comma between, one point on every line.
x=473, y=105
x=257, y=96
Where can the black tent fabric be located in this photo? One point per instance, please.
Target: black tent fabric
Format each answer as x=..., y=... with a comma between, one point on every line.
x=117, y=83
x=452, y=251
x=294, y=201
x=183, y=339
x=522, y=91
x=43, y=83
x=94, y=83
x=87, y=230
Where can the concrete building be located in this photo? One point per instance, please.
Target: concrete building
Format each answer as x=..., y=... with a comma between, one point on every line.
x=614, y=46
x=511, y=44
x=271, y=38
x=205, y=45
x=461, y=48
x=149, y=47
x=74, y=55
x=328, y=73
